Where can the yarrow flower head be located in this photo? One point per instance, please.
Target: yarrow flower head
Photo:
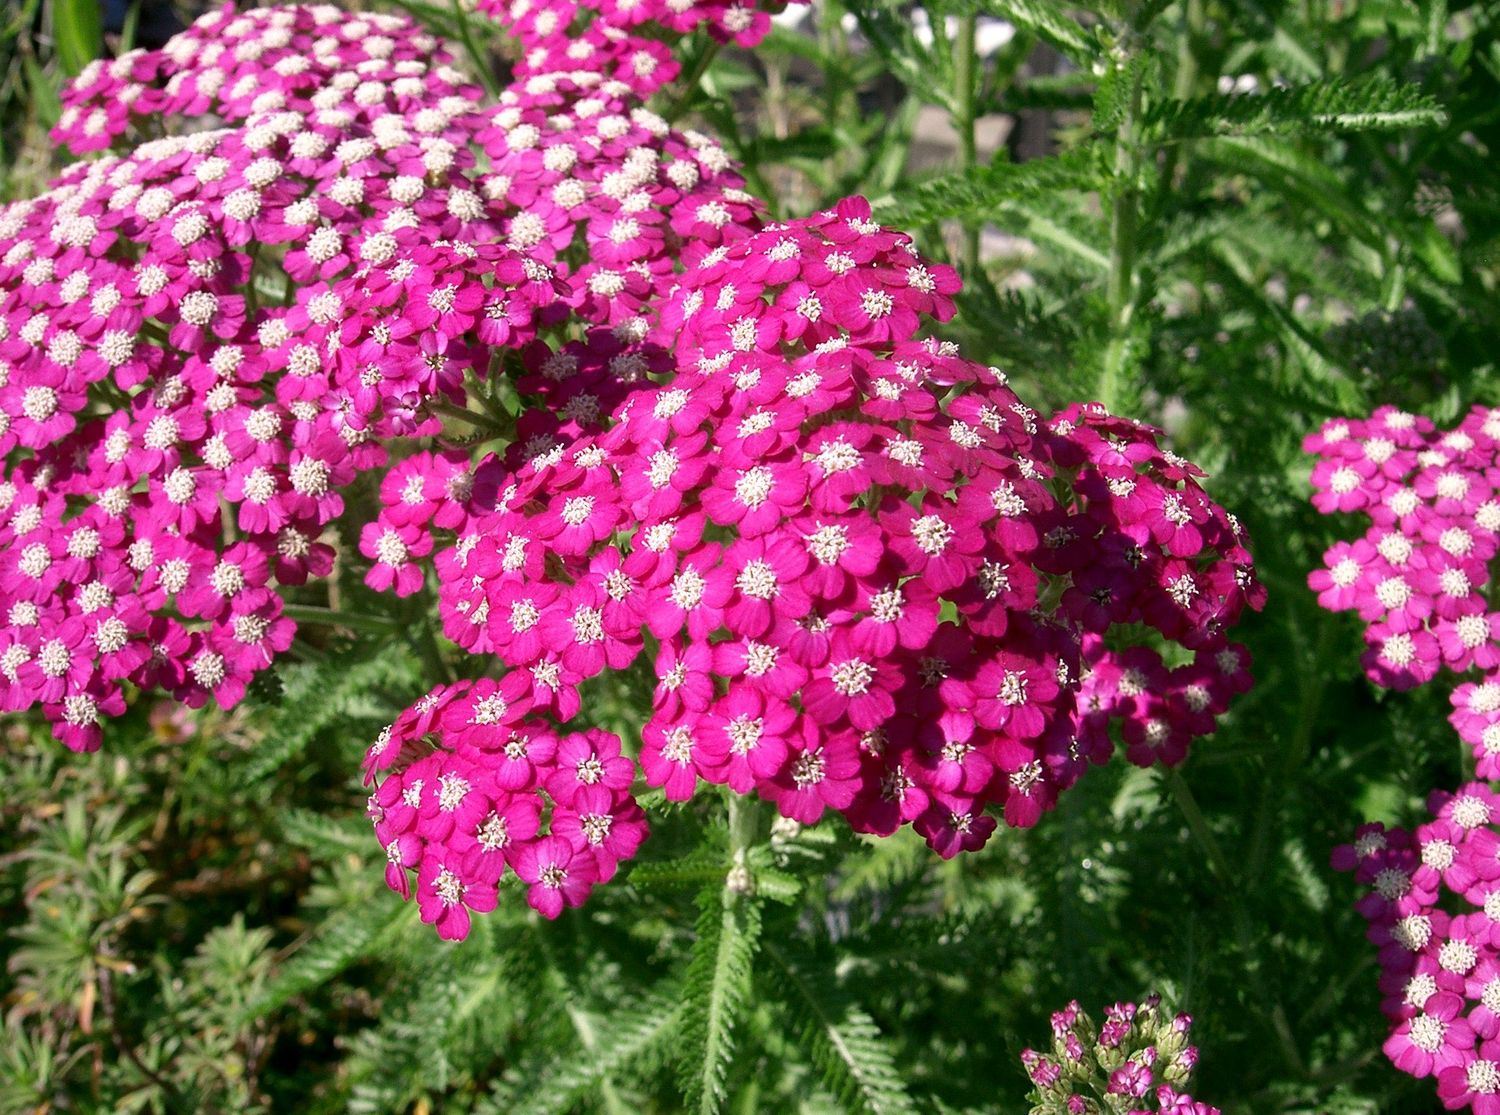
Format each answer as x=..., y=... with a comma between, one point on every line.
x=347, y=150
x=794, y=514
x=1433, y=910
x=1419, y=576
x=1138, y=1060
x=468, y=783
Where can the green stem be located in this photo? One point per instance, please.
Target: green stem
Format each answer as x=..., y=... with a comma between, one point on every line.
x=1198, y=825
x=309, y=613
x=462, y=414
x=1120, y=293
x=1232, y=882
x=963, y=122
x=749, y=824
x=482, y=68
x=689, y=83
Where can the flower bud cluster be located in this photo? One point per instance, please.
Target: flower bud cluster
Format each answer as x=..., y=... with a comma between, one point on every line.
x=1137, y=1062
x=1434, y=914
x=1419, y=576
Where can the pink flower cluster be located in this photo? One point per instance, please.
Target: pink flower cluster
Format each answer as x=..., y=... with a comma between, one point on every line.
x=1134, y=1064
x=308, y=59
x=203, y=340
x=1440, y=968
x=872, y=578
x=1418, y=576
x=614, y=37
x=173, y=448
x=459, y=815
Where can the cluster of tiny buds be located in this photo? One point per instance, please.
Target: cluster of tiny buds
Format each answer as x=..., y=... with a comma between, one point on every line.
x=1433, y=910
x=1136, y=1062
x=1419, y=575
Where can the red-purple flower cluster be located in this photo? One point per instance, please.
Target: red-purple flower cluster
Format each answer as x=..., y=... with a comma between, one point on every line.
x=1434, y=914
x=308, y=59
x=871, y=577
x=459, y=814
x=1419, y=575
x=1134, y=1064
x=203, y=340
x=561, y=36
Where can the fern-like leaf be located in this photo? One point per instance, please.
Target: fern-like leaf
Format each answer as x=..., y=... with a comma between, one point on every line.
x=842, y=1041
x=345, y=939
x=1361, y=105
x=319, y=695
x=631, y=1035
x=981, y=191
x=715, y=993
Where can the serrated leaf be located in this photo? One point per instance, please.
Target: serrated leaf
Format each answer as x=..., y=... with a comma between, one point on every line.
x=715, y=994
x=979, y=192
x=631, y=1034
x=1361, y=105
x=843, y=1041
x=345, y=939
x=327, y=836
x=1050, y=23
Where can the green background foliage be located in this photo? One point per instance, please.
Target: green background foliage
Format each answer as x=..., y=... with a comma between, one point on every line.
x=194, y=919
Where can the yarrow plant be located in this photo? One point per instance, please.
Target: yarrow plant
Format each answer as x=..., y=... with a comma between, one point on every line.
x=1434, y=914
x=868, y=577
x=1137, y=1061
x=1419, y=574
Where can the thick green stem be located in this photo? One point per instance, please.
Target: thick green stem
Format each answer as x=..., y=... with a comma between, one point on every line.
x=1120, y=292
x=1231, y=881
x=462, y=414
x=964, y=80
x=749, y=824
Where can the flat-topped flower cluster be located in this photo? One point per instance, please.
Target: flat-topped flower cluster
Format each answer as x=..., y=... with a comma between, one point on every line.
x=871, y=578
x=1136, y=1062
x=1418, y=576
x=203, y=340
x=615, y=413
x=1434, y=914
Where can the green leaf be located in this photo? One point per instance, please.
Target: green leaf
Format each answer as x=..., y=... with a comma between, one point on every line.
x=716, y=993
x=843, y=1041
x=1050, y=23
x=631, y=1034
x=980, y=191
x=44, y=98
x=338, y=692
x=78, y=31
x=327, y=836
x=1362, y=105
x=345, y=939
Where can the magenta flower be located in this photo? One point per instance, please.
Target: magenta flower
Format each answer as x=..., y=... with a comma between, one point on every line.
x=559, y=875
